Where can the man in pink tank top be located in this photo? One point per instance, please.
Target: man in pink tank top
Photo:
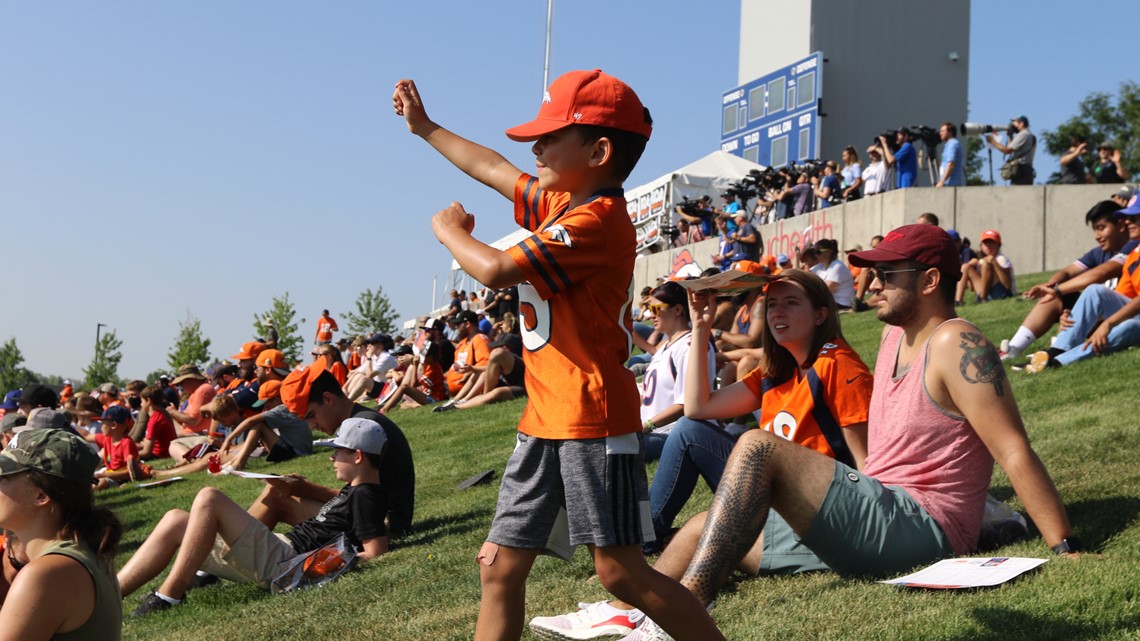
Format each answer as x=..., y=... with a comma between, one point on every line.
x=941, y=413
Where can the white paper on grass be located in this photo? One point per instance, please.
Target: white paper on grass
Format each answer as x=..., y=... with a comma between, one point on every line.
x=950, y=574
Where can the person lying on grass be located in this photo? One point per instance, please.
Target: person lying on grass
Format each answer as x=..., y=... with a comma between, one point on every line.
x=222, y=540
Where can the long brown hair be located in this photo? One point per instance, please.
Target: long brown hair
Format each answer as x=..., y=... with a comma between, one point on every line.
x=777, y=362
x=95, y=527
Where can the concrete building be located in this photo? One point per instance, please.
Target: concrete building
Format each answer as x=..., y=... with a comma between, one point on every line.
x=890, y=63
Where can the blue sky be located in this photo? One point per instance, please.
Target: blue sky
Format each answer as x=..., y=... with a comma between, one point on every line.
x=160, y=159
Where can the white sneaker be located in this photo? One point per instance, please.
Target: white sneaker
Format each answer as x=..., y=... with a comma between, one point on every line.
x=592, y=621
x=1003, y=350
x=647, y=631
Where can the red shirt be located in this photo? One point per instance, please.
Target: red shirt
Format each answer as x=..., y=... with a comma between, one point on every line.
x=160, y=431
x=115, y=455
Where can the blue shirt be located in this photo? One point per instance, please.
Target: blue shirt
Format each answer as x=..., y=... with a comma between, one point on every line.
x=906, y=160
x=833, y=182
x=952, y=153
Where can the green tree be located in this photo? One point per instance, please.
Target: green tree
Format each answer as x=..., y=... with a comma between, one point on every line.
x=374, y=313
x=189, y=346
x=104, y=367
x=1102, y=117
x=12, y=373
x=289, y=340
x=976, y=161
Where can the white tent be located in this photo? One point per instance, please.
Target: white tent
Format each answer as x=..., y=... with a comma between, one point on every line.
x=651, y=205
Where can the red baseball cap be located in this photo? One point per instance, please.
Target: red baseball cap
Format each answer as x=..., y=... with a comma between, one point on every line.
x=929, y=245
x=586, y=98
x=991, y=234
x=249, y=350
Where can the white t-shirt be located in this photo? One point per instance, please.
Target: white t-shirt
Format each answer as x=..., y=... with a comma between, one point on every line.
x=1005, y=263
x=837, y=272
x=664, y=383
x=382, y=363
x=874, y=178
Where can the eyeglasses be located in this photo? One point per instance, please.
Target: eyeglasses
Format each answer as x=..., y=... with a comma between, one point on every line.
x=881, y=274
x=657, y=308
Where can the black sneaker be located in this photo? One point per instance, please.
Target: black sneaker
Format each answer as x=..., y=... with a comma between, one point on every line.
x=201, y=581
x=153, y=603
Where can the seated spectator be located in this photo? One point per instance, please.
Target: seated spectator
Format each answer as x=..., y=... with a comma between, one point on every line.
x=192, y=453
x=119, y=453
x=87, y=412
x=739, y=348
x=423, y=382
x=1103, y=320
x=961, y=244
x=663, y=387
x=109, y=395
x=221, y=539
x=722, y=259
x=369, y=378
x=66, y=589
x=503, y=380
x=928, y=218
x=1102, y=264
x=991, y=276
x=819, y=410
x=283, y=435
x=835, y=273
x=159, y=426
x=198, y=393
x=470, y=355
x=932, y=439
x=312, y=393
x=863, y=280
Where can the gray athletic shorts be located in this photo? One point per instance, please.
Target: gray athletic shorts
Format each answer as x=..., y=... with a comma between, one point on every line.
x=862, y=528
x=559, y=494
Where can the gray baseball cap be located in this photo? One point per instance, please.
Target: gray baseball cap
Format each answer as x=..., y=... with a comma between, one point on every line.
x=358, y=434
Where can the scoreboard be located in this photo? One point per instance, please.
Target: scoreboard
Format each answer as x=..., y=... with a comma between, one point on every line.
x=774, y=119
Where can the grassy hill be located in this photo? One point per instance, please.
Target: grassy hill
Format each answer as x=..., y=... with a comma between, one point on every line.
x=1078, y=419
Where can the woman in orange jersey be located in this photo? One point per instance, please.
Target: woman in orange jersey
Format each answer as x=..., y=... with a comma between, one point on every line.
x=811, y=388
x=335, y=361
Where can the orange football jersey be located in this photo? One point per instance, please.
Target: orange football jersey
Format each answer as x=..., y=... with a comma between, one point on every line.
x=1129, y=282
x=574, y=312
x=790, y=411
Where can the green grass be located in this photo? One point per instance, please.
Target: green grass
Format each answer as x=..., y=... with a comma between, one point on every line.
x=1078, y=418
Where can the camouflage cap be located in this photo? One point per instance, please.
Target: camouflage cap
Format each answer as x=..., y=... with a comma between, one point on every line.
x=54, y=452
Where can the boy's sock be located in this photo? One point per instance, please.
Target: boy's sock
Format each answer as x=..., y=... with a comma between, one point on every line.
x=169, y=600
x=1021, y=341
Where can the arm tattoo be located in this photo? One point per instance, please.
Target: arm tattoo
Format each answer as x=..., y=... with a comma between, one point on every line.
x=980, y=357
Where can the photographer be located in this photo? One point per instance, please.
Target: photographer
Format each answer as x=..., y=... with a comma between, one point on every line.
x=799, y=194
x=827, y=188
x=699, y=213
x=1072, y=162
x=687, y=233
x=953, y=170
x=1021, y=149
x=904, y=159
x=1108, y=169
x=875, y=175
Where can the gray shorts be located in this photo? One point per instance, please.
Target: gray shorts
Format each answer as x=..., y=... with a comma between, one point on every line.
x=559, y=494
x=862, y=528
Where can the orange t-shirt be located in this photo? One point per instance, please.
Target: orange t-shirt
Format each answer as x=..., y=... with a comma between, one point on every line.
x=354, y=360
x=789, y=409
x=574, y=313
x=474, y=351
x=325, y=328
x=432, y=382
x=339, y=372
x=1129, y=283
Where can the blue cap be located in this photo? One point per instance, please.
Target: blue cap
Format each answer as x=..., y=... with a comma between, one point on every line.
x=782, y=258
x=117, y=414
x=1133, y=209
x=11, y=400
x=953, y=233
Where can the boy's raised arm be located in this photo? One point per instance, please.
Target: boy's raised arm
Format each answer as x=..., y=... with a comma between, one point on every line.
x=483, y=164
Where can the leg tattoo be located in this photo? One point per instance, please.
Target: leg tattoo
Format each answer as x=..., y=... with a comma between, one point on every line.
x=735, y=520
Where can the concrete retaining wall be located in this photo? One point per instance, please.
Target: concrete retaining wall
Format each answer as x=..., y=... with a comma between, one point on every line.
x=1042, y=226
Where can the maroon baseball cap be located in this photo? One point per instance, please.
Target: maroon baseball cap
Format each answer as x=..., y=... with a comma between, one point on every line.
x=926, y=244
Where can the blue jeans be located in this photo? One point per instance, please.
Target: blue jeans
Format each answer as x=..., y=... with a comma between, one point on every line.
x=1095, y=303
x=692, y=449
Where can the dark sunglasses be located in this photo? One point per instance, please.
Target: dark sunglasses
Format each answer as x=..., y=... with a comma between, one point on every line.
x=880, y=274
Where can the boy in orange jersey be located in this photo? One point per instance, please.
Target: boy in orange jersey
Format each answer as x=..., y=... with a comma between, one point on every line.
x=578, y=454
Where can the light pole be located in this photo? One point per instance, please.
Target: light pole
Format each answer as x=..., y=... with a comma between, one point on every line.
x=98, y=328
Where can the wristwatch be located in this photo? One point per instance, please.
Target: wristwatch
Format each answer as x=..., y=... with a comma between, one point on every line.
x=717, y=333
x=1068, y=545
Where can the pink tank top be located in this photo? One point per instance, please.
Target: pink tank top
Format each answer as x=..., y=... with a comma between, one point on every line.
x=932, y=454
